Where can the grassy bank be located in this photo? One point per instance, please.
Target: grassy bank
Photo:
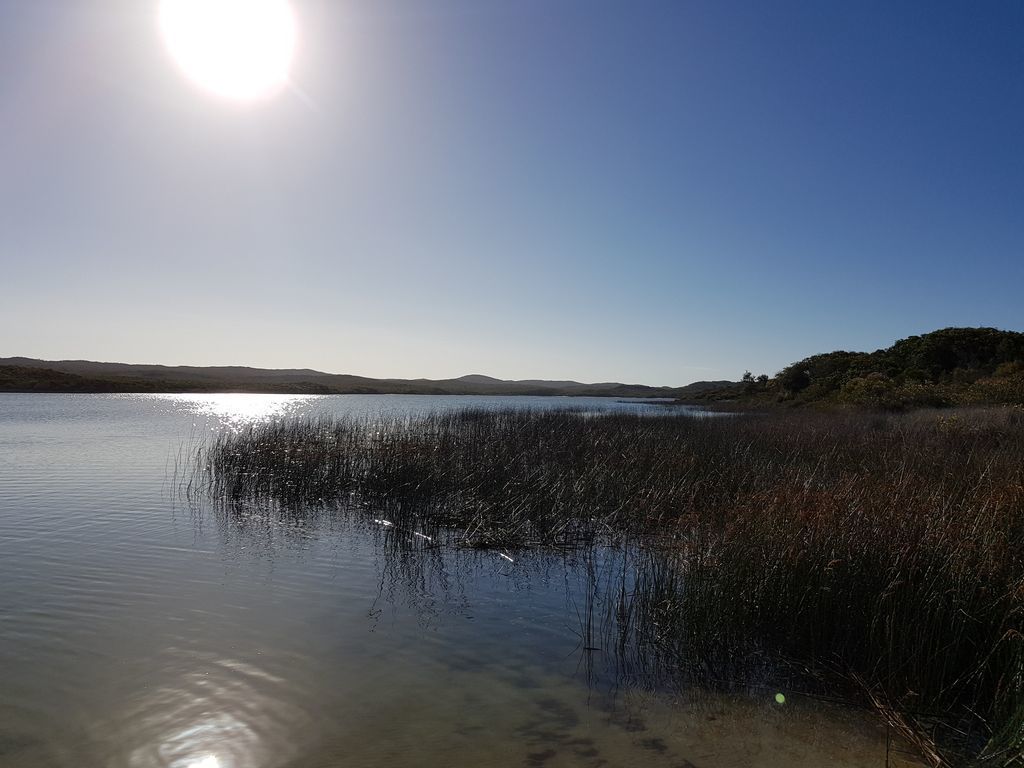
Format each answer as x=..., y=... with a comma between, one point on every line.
x=885, y=551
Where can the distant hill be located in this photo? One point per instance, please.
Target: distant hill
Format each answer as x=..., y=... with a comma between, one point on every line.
x=951, y=366
x=702, y=387
x=23, y=374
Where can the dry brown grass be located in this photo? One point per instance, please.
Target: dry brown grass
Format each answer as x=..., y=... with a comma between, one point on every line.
x=883, y=549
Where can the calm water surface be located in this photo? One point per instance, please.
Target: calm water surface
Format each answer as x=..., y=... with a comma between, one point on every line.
x=137, y=630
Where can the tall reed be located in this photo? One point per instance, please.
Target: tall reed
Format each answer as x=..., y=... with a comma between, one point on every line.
x=887, y=551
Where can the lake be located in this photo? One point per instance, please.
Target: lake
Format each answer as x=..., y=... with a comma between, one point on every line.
x=138, y=629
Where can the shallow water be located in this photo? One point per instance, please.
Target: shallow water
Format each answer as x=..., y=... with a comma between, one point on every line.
x=138, y=630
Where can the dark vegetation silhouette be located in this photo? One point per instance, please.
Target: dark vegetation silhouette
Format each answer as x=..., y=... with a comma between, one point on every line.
x=949, y=367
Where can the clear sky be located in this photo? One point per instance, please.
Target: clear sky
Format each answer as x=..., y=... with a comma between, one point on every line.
x=648, y=191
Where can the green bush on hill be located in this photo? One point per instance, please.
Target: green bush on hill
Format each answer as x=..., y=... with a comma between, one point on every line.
x=952, y=366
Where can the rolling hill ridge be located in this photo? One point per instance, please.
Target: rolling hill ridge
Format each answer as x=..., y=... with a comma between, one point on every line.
x=24, y=374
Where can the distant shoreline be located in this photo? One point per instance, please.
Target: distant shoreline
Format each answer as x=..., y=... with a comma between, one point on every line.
x=27, y=375
x=619, y=398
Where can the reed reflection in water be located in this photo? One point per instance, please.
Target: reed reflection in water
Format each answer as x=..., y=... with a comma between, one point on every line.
x=547, y=659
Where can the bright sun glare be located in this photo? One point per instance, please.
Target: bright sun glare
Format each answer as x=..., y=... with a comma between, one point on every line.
x=238, y=49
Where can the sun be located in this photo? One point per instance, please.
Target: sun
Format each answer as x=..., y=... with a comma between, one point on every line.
x=238, y=49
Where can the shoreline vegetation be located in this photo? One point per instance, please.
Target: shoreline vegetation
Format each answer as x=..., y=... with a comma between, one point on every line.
x=882, y=555
x=946, y=368
x=943, y=369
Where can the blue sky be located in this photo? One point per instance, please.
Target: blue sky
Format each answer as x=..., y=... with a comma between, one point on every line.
x=652, y=192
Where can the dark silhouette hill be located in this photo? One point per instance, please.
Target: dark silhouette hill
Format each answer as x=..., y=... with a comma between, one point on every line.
x=23, y=374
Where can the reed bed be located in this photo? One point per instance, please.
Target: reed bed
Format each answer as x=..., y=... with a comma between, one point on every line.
x=884, y=551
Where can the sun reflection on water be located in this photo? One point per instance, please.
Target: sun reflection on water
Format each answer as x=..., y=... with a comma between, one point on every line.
x=236, y=409
x=213, y=711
